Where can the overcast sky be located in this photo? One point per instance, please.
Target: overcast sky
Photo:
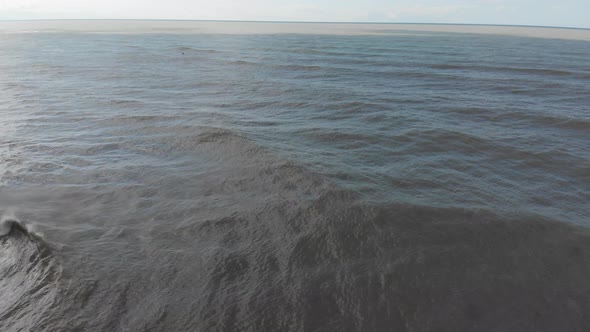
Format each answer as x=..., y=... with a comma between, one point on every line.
x=572, y=13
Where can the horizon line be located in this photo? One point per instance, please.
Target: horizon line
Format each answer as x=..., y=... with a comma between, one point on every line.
x=296, y=22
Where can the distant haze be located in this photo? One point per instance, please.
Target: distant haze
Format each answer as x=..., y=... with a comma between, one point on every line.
x=565, y=13
x=204, y=27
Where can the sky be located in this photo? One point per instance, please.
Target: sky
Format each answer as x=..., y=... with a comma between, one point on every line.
x=566, y=13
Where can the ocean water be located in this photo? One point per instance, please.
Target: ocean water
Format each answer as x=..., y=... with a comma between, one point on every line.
x=226, y=176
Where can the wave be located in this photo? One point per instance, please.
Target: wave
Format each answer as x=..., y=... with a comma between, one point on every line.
x=533, y=71
x=246, y=63
x=195, y=50
x=561, y=122
x=28, y=277
x=293, y=67
x=127, y=103
x=299, y=67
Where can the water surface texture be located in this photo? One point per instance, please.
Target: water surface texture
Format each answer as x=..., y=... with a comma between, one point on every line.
x=225, y=176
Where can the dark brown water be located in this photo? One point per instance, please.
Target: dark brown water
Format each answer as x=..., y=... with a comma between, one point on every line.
x=194, y=179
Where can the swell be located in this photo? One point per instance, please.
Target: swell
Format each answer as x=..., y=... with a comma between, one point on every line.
x=510, y=116
x=520, y=70
x=338, y=264
x=265, y=244
x=301, y=253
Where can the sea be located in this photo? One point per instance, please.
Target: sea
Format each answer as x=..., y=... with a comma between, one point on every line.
x=258, y=176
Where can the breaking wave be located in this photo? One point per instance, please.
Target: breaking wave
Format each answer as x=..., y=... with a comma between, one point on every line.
x=28, y=277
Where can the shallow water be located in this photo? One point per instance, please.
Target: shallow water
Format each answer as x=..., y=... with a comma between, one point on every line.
x=195, y=177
